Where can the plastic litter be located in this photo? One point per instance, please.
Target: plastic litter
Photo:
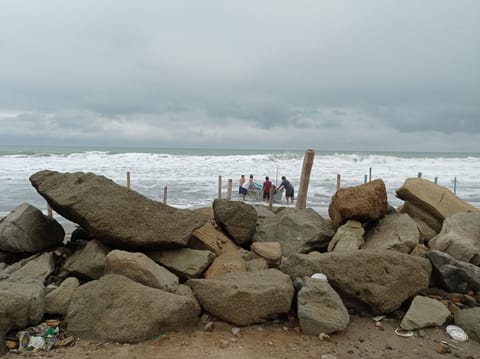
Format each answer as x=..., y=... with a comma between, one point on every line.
x=456, y=333
x=403, y=333
x=320, y=276
x=36, y=343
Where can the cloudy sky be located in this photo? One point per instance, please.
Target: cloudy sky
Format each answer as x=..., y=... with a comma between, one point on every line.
x=322, y=74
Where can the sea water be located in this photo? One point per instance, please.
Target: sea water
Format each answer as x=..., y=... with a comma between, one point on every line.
x=192, y=175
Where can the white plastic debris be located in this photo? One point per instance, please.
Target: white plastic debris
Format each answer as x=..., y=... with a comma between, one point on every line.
x=320, y=276
x=456, y=333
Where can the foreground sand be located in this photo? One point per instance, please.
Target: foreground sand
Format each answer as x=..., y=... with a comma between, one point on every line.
x=360, y=340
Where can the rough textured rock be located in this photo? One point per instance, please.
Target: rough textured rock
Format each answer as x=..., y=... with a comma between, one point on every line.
x=270, y=251
x=22, y=304
x=453, y=275
x=433, y=223
x=364, y=203
x=58, y=300
x=320, y=308
x=38, y=268
x=115, y=308
x=397, y=232
x=245, y=298
x=141, y=269
x=469, y=321
x=212, y=239
x=381, y=279
x=254, y=265
x=460, y=237
x=298, y=231
x=88, y=262
x=184, y=262
x=349, y=237
x=106, y=210
x=238, y=219
x=27, y=230
x=424, y=312
x=436, y=200
x=227, y=262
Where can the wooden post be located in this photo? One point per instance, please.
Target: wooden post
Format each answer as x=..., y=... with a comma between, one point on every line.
x=128, y=179
x=455, y=185
x=370, y=174
x=229, y=189
x=165, y=190
x=49, y=211
x=365, y=179
x=435, y=180
x=419, y=175
x=305, y=179
x=270, y=198
x=219, y=187
x=338, y=181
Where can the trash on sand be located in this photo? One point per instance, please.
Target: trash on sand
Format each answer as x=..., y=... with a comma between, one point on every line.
x=403, y=333
x=379, y=318
x=320, y=276
x=456, y=333
x=36, y=343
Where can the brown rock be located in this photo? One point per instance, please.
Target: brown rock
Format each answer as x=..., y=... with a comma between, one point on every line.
x=212, y=239
x=226, y=263
x=270, y=251
x=365, y=203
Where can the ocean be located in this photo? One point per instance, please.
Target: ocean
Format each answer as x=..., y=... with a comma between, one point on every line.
x=191, y=175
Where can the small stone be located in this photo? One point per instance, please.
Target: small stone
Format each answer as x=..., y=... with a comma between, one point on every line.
x=285, y=329
x=328, y=356
x=388, y=347
x=421, y=333
x=233, y=340
x=235, y=331
x=323, y=336
x=224, y=343
x=208, y=327
x=442, y=348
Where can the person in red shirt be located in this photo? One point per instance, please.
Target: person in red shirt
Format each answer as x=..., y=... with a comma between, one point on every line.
x=266, y=189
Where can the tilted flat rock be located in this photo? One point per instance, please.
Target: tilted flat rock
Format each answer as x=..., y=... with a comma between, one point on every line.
x=469, y=320
x=381, y=279
x=349, y=237
x=424, y=312
x=115, y=308
x=438, y=201
x=245, y=298
x=89, y=261
x=184, y=262
x=58, y=300
x=114, y=214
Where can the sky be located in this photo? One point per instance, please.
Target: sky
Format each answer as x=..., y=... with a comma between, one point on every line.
x=376, y=75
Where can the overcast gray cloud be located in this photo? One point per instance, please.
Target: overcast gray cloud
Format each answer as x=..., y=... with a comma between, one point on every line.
x=329, y=75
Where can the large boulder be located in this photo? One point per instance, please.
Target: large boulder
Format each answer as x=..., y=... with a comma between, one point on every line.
x=238, y=219
x=27, y=230
x=114, y=214
x=298, y=231
x=320, y=308
x=245, y=298
x=436, y=200
x=424, y=312
x=452, y=274
x=349, y=237
x=22, y=304
x=37, y=268
x=460, y=237
x=115, y=308
x=397, y=232
x=364, y=203
x=141, y=269
x=58, y=300
x=434, y=225
x=184, y=262
x=380, y=279
x=89, y=261
x=469, y=320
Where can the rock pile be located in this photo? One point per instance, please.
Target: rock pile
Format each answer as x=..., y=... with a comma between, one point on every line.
x=138, y=267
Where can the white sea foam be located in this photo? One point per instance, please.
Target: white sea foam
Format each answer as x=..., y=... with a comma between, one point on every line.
x=192, y=178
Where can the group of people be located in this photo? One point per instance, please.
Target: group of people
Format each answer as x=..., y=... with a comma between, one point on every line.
x=245, y=185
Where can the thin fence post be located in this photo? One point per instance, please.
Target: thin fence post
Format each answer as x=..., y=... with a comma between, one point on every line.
x=305, y=179
x=339, y=179
x=365, y=179
x=128, y=179
x=165, y=191
x=49, y=211
x=455, y=185
x=229, y=189
x=219, y=187
x=370, y=174
x=419, y=175
x=270, y=198
x=435, y=180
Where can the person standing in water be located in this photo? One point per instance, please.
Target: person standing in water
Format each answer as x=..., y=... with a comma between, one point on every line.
x=266, y=189
x=241, y=182
x=289, y=191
